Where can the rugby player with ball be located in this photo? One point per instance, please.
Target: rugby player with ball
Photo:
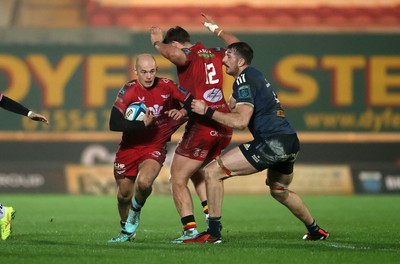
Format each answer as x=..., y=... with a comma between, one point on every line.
x=147, y=111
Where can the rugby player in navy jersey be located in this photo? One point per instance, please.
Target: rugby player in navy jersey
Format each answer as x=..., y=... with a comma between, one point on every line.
x=7, y=213
x=275, y=145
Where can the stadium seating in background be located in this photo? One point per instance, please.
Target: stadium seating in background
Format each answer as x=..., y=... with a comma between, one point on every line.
x=6, y=13
x=239, y=15
x=48, y=13
x=269, y=16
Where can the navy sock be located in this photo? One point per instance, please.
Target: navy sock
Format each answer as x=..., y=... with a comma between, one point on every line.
x=313, y=227
x=214, y=224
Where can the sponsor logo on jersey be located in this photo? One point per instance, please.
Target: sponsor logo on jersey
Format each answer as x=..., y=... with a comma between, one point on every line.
x=213, y=95
x=214, y=133
x=156, y=154
x=122, y=91
x=156, y=110
x=244, y=92
x=165, y=96
x=182, y=90
x=204, y=53
x=131, y=83
x=187, y=51
x=241, y=79
x=267, y=83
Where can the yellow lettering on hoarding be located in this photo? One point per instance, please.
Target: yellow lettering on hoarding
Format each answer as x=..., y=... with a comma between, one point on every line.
x=305, y=88
x=342, y=76
x=53, y=80
x=384, y=84
x=18, y=76
x=98, y=79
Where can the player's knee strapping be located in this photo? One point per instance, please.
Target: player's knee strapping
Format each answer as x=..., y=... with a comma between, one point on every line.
x=222, y=166
x=277, y=187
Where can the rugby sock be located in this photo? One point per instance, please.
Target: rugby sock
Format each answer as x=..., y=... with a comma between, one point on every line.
x=205, y=206
x=122, y=223
x=136, y=206
x=188, y=222
x=214, y=224
x=313, y=227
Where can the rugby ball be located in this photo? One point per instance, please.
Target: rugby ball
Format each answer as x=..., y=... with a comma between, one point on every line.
x=135, y=111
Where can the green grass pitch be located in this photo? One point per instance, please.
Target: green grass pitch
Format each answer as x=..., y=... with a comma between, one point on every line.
x=74, y=229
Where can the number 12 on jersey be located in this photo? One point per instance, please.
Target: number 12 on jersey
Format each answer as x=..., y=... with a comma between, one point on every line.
x=210, y=73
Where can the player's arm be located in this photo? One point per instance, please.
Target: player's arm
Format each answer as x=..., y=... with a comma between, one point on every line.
x=184, y=97
x=239, y=119
x=232, y=104
x=186, y=109
x=227, y=37
x=172, y=53
x=15, y=107
x=177, y=114
x=119, y=123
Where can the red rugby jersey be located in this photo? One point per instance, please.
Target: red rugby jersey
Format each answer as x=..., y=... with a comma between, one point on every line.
x=202, y=75
x=158, y=99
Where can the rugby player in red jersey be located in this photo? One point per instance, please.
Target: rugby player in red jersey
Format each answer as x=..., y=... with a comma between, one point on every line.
x=142, y=149
x=200, y=71
x=8, y=213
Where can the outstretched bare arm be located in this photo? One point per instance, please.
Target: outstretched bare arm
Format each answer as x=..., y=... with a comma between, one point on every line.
x=227, y=37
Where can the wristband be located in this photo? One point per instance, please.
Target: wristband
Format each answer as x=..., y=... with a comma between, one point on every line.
x=155, y=43
x=29, y=114
x=188, y=104
x=209, y=113
x=219, y=32
x=212, y=27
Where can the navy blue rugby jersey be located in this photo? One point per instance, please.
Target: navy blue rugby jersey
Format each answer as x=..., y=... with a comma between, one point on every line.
x=251, y=87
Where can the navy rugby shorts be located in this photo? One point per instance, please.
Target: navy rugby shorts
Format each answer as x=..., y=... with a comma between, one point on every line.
x=278, y=152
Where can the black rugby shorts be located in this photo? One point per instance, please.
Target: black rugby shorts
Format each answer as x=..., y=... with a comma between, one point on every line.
x=277, y=152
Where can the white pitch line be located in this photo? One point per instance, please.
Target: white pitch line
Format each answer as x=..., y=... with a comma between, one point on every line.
x=347, y=246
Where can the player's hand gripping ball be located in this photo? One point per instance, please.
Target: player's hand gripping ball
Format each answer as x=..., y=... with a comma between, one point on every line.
x=135, y=111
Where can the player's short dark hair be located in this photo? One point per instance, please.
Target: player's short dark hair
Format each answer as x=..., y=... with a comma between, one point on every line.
x=243, y=50
x=176, y=34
